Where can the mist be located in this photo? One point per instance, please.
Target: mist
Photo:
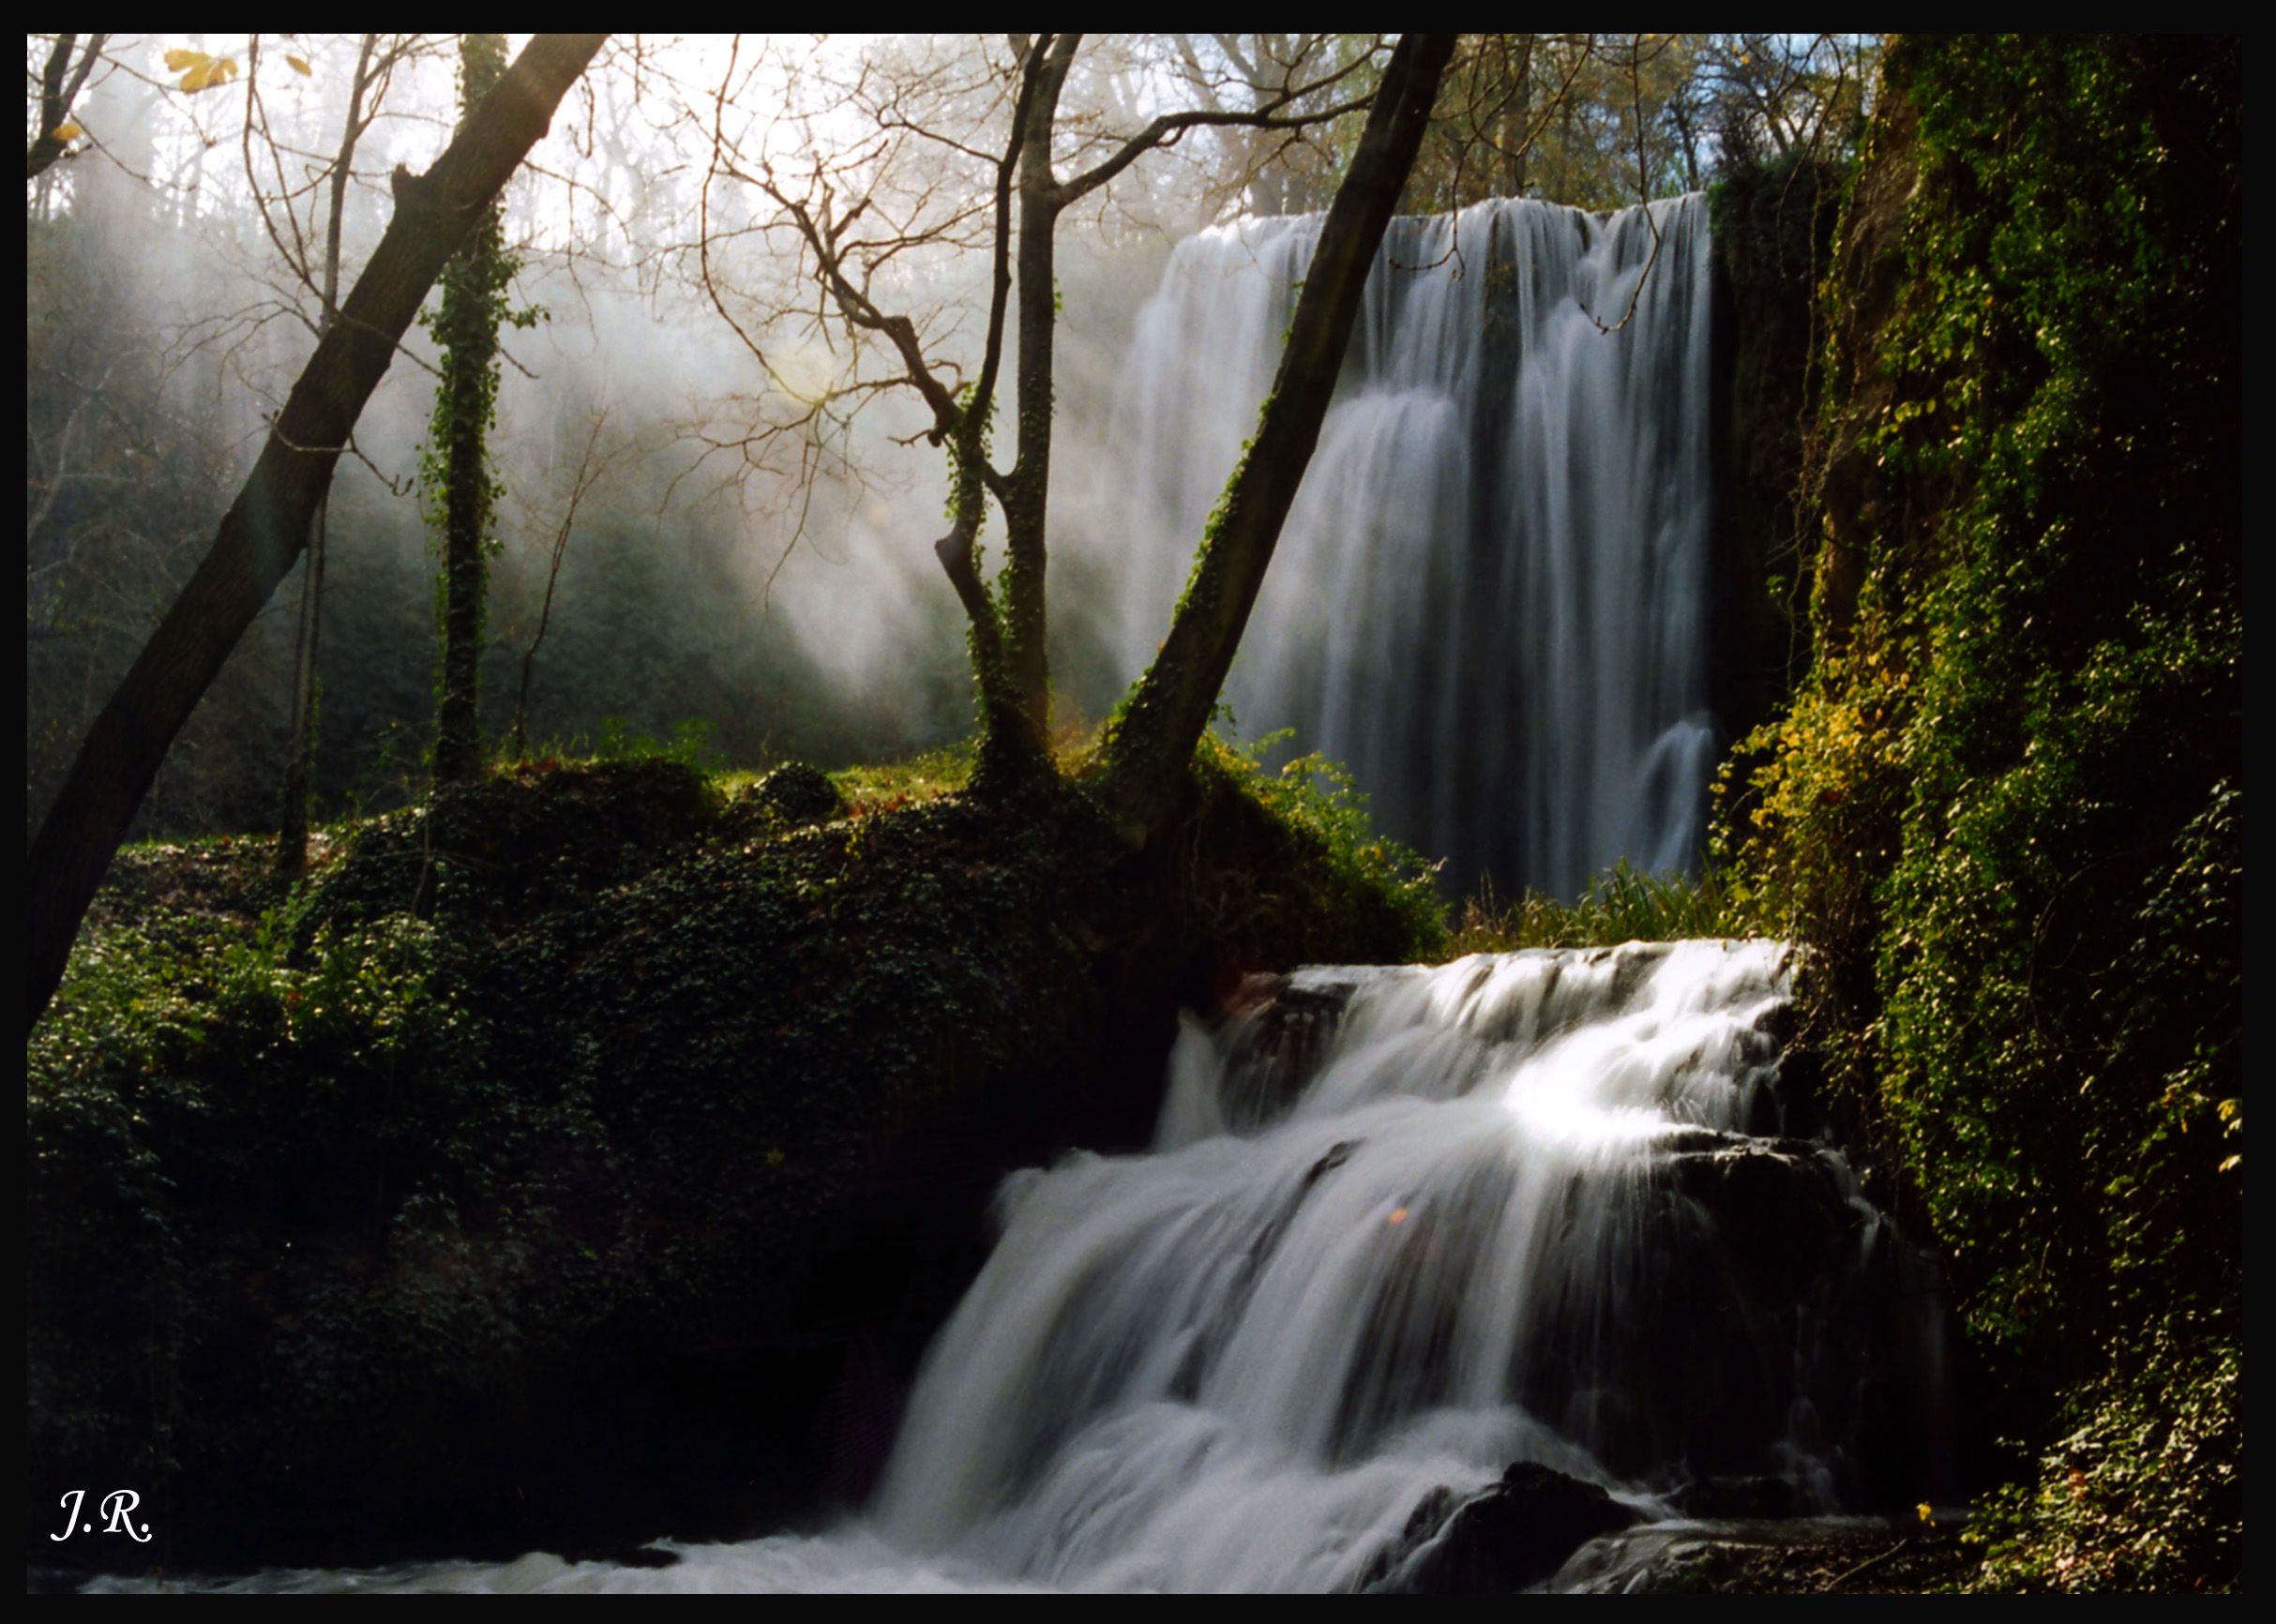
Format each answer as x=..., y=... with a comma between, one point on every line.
x=717, y=500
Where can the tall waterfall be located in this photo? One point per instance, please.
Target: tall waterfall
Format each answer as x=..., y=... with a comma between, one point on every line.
x=1490, y=599
x=1400, y=1229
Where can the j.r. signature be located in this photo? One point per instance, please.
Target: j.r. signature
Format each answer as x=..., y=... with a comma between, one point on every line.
x=117, y=1505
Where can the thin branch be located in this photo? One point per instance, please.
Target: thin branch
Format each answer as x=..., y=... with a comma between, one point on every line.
x=60, y=82
x=1167, y=129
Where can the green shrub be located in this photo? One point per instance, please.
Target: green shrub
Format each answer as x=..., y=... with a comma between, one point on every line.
x=1621, y=904
x=2145, y=1489
x=1317, y=800
x=2003, y=808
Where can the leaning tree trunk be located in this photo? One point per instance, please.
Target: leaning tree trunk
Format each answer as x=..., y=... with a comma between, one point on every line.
x=1150, y=746
x=261, y=535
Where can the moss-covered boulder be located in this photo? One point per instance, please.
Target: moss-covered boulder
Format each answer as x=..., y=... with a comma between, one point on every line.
x=571, y=1160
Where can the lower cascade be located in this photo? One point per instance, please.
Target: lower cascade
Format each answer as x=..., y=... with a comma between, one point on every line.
x=1431, y=1275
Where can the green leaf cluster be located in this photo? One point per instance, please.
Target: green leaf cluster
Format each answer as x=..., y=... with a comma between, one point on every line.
x=2004, y=805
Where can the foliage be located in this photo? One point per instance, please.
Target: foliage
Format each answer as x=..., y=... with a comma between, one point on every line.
x=1317, y=800
x=1807, y=813
x=524, y=1145
x=250, y=1067
x=2145, y=1490
x=2003, y=806
x=1620, y=905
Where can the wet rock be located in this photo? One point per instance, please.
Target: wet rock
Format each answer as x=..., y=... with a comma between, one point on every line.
x=1338, y=1153
x=1276, y=1049
x=1514, y=1533
x=1758, y=1496
x=1783, y=1206
x=624, y=1557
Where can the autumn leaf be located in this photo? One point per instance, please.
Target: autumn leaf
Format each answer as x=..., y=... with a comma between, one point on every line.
x=300, y=66
x=67, y=131
x=200, y=71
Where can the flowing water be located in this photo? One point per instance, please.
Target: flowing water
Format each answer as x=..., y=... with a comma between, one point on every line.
x=1490, y=601
x=1400, y=1229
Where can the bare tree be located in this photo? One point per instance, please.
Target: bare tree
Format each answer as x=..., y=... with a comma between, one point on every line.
x=588, y=473
x=267, y=526
x=373, y=64
x=855, y=234
x=1769, y=95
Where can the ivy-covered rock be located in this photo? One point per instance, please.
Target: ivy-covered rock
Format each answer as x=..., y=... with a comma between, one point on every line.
x=798, y=794
x=571, y=1160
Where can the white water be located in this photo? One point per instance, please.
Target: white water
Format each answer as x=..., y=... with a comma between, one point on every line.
x=1490, y=601
x=1400, y=1229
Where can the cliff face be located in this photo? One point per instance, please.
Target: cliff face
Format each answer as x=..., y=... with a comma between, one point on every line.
x=1773, y=234
x=2005, y=802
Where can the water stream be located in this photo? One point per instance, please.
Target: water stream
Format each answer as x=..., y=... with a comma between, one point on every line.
x=1407, y=1232
x=1401, y=1228
x=1490, y=601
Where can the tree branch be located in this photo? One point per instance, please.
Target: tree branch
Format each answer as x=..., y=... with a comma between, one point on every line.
x=1165, y=130
x=60, y=84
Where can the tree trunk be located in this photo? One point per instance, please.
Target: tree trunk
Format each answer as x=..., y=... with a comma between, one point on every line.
x=262, y=535
x=1027, y=493
x=474, y=299
x=1150, y=746
x=298, y=787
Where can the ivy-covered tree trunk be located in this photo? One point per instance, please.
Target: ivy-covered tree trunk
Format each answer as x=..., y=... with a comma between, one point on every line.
x=466, y=401
x=260, y=538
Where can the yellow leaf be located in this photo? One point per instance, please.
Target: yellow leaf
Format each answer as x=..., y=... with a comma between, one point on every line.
x=1928, y=1513
x=300, y=66
x=178, y=60
x=209, y=72
x=67, y=131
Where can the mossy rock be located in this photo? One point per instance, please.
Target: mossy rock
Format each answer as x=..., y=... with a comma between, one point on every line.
x=524, y=839
x=558, y=1202
x=799, y=794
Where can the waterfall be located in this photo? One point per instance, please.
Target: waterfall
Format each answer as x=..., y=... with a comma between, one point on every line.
x=1401, y=1228
x=1489, y=601
x=1405, y=1235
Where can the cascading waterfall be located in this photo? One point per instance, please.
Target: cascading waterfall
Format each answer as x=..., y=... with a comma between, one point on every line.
x=1403, y=1227
x=1400, y=1229
x=1410, y=1235
x=1490, y=600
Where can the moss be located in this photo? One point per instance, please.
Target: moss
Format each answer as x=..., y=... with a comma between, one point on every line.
x=535, y=1172
x=2018, y=749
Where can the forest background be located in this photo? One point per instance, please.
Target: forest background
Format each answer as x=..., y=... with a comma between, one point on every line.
x=711, y=546
x=1998, y=787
